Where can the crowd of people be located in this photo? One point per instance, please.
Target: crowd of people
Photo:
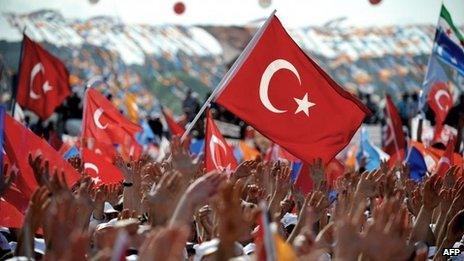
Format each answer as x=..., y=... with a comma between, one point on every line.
x=173, y=210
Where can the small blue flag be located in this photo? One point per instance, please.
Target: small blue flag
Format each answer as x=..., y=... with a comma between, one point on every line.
x=368, y=152
x=72, y=152
x=416, y=163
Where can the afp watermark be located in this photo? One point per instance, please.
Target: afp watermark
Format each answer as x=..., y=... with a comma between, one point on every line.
x=451, y=251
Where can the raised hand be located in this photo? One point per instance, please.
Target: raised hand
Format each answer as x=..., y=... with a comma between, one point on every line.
x=163, y=198
x=431, y=192
x=197, y=195
x=41, y=169
x=6, y=180
x=386, y=237
x=181, y=159
x=164, y=244
x=244, y=169
x=368, y=183
x=231, y=223
x=414, y=202
x=34, y=218
x=316, y=170
x=77, y=164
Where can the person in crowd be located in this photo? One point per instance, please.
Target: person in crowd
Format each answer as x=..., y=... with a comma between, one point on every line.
x=372, y=106
x=190, y=105
x=404, y=108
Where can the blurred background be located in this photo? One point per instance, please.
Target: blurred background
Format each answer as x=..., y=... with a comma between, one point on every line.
x=174, y=53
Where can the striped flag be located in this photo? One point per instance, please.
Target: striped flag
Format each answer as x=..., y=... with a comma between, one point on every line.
x=447, y=53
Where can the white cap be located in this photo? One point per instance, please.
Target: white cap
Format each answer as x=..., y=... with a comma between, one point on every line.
x=289, y=219
x=5, y=230
x=110, y=223
x=249, y=249
x=133, y=257
x=109, y=209
x=39, y=245
x=205, y=248
x=19, y=258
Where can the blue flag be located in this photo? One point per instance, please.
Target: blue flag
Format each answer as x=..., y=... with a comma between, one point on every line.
x=72, y=152
x=368, y=152
x=416, y=163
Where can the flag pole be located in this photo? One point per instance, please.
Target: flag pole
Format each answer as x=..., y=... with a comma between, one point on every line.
x=230, y=73
x=18, y=77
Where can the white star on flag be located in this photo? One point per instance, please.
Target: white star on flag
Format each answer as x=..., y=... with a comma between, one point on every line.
x=453, y=60
x=96, y=180
x=303, y=105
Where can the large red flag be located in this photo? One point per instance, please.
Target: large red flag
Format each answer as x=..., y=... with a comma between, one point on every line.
x=99, y=168
x=19, y=143
x=287, y=97
x=43, y=82
x=440, y=101
x=218, y=154
x=106, y=125
x=393, y=139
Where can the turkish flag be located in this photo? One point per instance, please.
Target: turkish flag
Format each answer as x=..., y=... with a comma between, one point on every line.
x=44, y=80
x=288, y=98
x=19, y=143
x=174, y=127
x=440, y=101
x=447, y=159
x=218, y=154
x=104, y=124
x=99, y=168
x=393, y=139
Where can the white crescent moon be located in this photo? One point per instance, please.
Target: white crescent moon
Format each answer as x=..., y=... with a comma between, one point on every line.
x=437, y=97
x=216, y=140
x=91, y=166
x=35, y=70
x=266, y=78
x=96, y=119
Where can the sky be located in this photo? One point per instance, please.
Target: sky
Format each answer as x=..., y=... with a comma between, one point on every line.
x=293, y=13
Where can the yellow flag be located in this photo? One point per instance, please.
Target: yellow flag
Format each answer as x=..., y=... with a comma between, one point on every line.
x=132, y=108
x=284, y=251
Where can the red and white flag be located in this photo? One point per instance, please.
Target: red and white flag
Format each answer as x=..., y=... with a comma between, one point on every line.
x=101, y=171
x=280, y=91
x=104, y=124
x=19, y=143
x=393, y=141
x=440, y=101
x=447, y=159
x=44, y=80
x=173, y=126
x=218, y=154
